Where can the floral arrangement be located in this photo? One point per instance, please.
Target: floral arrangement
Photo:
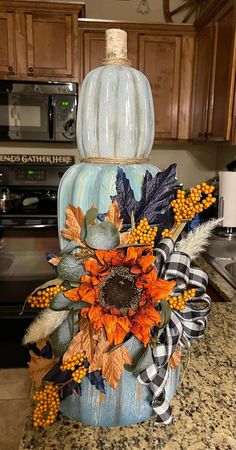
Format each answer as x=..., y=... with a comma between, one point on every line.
x=122, y=274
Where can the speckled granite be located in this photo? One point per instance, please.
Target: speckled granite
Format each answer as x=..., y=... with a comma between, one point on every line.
x=204, y=407
x=219, y=283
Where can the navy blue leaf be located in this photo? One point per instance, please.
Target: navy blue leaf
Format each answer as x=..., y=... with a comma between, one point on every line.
x=96, y=380
x=101, y=217
x=125, y=196
x=69, y=388
x=45, y=352
x=157, y=193
x=56, y=375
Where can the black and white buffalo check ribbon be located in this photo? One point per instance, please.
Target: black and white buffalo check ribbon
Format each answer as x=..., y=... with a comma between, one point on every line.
x=182, y=327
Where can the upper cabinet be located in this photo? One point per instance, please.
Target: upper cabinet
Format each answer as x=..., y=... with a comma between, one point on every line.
x=7, y=43
x=214, y=77
x=38, y=40
x=165, y=55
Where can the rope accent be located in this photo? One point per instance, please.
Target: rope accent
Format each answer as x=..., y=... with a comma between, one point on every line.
x=100, y=160
x=117, y=62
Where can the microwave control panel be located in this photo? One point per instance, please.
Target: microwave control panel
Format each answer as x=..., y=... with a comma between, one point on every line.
x=65, y=117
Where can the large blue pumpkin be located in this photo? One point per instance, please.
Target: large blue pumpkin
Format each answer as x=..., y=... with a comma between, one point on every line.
x=88, y=184
x=115, y=120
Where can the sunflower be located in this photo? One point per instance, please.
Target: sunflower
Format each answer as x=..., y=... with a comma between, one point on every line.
x=123, y=289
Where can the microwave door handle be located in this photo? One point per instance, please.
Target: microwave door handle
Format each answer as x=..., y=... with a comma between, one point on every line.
x=50, y=116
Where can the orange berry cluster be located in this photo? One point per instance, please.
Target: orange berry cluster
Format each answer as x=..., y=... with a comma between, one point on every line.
x=178, y=302
x=46, y=410
x=185, y=207
x=143, y=233
x=41, y=299
x=76, y=365
x=166, y=233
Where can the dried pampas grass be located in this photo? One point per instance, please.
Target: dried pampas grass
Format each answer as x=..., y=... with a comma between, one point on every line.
x=197, y=240
x=44, y=324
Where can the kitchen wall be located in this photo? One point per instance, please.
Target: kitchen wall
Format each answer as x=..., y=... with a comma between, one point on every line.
x=127, y=10
x=195, y=163
x=226, y=153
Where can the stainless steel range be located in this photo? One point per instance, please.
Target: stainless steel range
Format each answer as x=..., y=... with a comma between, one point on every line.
x=28, y=232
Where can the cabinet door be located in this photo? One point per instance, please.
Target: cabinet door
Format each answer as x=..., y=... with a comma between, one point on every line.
x=159, y=59
x=49, y=44
x=7, y=43
x=201, y=84
x=94, y=50
x=223, y=74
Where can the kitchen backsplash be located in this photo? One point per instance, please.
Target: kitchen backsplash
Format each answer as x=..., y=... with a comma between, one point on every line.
x=195, y=163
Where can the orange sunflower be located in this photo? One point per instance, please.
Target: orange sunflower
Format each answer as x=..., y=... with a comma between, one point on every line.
x=123, y=289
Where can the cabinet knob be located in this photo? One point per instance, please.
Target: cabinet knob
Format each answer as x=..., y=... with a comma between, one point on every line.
x=30, y=69
x=10, y=68
x=203, y=136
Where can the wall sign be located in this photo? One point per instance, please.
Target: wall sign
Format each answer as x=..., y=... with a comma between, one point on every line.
x=37, y=159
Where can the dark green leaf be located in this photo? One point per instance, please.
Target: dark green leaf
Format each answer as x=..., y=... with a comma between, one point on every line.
x=103, y=236
x=62, y=336
x=91, y=215
x=72, y=245
x=69, y=268
x=142, y=360
x=165, y=312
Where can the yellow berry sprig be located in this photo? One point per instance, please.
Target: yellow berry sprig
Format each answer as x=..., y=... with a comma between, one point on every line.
x=76, y=365
x=185, y=207
x=178, y=302
x=74, y=361
x=41, y=299
x=143, y=233
x=166, y=233
x=47, y=407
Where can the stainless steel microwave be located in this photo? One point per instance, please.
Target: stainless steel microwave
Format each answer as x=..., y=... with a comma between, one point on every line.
x=38, y=111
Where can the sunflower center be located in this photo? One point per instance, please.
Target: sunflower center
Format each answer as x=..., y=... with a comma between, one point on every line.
x=119, y=290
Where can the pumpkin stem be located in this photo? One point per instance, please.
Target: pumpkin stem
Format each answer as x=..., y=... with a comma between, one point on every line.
x=116, y=47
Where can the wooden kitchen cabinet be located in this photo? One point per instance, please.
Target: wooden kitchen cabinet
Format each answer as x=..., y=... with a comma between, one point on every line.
x=164, y=54
x=42, y=40
x=159, y=60
x=214, y=77
x=201, y=86
x=7, y=43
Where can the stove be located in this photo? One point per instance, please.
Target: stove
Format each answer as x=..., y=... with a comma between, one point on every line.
x=28, y=232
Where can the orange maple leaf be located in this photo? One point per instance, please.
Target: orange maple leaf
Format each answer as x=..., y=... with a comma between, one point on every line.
x=175, y=359
x=113, y=215
x=74, y=223
x=83, y=341
x=38, y=367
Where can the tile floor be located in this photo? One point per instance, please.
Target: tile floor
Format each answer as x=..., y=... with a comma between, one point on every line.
x=15, y=388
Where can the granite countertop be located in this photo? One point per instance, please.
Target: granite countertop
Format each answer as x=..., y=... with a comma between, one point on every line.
x=203, y=408
x=217, y=281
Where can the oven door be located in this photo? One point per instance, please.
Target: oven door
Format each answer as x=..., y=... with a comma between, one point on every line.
x=24, y=266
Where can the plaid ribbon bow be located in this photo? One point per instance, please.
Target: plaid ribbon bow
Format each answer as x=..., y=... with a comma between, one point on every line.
x=182, y=327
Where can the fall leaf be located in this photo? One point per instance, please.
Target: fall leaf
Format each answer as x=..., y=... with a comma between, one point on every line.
x=102, y=346
x=41, y=343
x=113, y=365
x=124, y=238
x=175, y=359
x=38, y=367
x=74, y=223
x=83, y=341
x=113, y=215
x=55, y=261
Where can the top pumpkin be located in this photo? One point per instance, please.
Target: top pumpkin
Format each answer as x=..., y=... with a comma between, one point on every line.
x=115, y=111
